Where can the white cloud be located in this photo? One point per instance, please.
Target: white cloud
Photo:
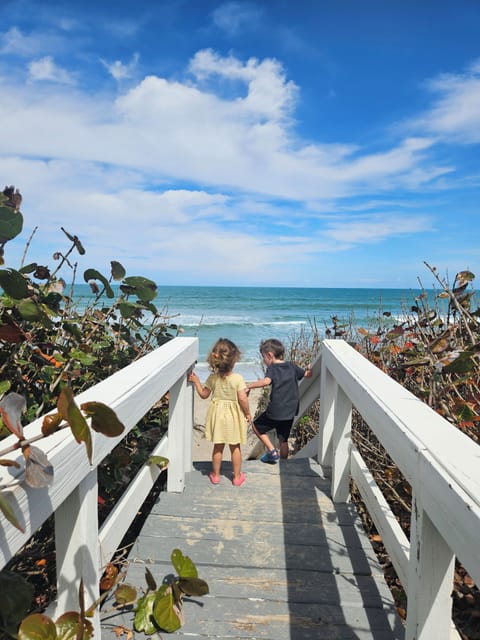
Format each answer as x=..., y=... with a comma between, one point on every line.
x=120, y=70
x=376, y=227
x=236, y=17
x=46, y=69
x=104, y=167
x=456, y=112
x=14, y=42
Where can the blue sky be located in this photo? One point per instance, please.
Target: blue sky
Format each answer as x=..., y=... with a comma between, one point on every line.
x=296, y=143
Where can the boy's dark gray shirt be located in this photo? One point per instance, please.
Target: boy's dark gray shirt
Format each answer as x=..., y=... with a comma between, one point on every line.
x=283, y=404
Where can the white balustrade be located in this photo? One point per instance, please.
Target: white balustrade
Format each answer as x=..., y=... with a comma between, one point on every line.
x=441, y=464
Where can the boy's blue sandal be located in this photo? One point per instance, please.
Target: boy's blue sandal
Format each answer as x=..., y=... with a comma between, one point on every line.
x=271, y=457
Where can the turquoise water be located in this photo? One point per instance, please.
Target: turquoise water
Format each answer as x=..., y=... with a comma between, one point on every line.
x=248, y=315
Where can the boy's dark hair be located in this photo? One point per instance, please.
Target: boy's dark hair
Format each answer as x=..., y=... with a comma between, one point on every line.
x=223, y=356
x=274, y=346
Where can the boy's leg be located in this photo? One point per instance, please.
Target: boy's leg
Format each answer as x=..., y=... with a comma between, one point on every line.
x=263, y=437
x=236, y=454
x=283, y=432
x=283, y=448
x=217, y=456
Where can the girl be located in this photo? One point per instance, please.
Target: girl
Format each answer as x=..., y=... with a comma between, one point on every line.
x=229, y=412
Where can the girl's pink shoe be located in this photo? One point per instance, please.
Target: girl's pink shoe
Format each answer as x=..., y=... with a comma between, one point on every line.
x=239, y=481
x=213, y=478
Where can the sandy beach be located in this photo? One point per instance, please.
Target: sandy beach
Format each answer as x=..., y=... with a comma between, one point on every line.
x=202, y=449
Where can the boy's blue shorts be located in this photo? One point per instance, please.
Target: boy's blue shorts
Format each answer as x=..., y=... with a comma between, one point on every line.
x=264, y=424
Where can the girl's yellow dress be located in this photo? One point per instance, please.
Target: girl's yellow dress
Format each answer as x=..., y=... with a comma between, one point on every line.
x=225, y=420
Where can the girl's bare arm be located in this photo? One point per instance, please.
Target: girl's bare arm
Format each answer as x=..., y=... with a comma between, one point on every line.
x=202, y=391
x=243, y=402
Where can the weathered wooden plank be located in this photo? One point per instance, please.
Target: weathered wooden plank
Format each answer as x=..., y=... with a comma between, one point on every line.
x=166, y=526
x=278, y=563
x=296, y=585
x=257, y=554
x=222, y=617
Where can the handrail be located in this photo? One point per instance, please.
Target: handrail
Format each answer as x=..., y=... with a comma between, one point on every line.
x=441, y=464
x=81, y=549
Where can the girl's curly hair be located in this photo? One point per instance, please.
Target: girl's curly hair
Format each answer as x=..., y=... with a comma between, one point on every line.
x=223, y=356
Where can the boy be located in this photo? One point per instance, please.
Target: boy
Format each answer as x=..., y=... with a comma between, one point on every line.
x=284, y=399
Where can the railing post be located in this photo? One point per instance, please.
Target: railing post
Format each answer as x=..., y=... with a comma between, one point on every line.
x=77, y=548
x=177, y=436
x=325, y=427
x=430, y=580
x=341, y=446
x=188, y=429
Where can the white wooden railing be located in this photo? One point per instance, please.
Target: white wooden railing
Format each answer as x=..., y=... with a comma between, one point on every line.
x=82, y=549
x=441, y=464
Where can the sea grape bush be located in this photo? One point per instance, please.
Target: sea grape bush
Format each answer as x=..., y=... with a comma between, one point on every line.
x=158, y=608
x=51, y=351
x=47, y=343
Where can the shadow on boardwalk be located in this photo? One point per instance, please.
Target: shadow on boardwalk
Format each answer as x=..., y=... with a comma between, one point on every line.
x=281, y=561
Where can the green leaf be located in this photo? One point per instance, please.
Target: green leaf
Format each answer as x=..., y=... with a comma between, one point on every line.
x=29, y=268
x=4, y=386
x=11, y=223
x=462, y=364
x=193, y=586
x=13, y=283
x=71, y=413
x=37, y=627
x=16, y=600
x=143, y=620
x=160, y=461
x=104, y=419
x=118, y=272
x=127, y=309
x=72, y=329
x=7, y=510
x=70, y=626
x=86, y=359
x=29, y=310
x=183, y=565
x=125, y=594
x=93, y=274
x=164, y=613
x=143, y=288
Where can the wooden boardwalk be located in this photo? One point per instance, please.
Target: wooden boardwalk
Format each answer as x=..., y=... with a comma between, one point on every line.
x=281, y=560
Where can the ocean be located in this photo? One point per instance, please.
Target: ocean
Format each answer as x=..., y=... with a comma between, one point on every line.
x=247, y=315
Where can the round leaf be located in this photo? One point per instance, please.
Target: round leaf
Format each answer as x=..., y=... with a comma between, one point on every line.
x=183, y=565
x=160, y=461
x=118, y=272
x=193, y=586
x=38, y=470
x=71, y=413
x=164, y=612
x=11, y=223
x=16, y=600
x=13, y=283
x=143, y=620
x=93, y=274
x=37, y=627
x=143, y=288
x=125, y=594
x=104, y=419
x=70, y=624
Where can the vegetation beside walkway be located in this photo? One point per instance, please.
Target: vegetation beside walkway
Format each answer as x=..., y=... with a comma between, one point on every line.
x=433, y=351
